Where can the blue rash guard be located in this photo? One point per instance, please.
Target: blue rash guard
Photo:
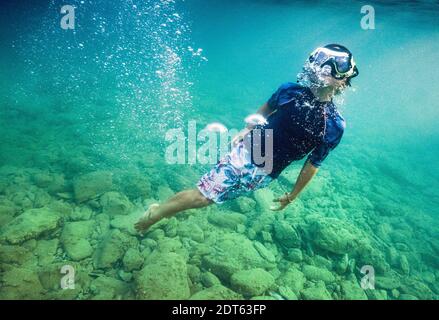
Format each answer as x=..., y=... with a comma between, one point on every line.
x=301, y=125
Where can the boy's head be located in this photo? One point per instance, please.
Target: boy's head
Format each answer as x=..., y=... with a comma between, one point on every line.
x=330, y=66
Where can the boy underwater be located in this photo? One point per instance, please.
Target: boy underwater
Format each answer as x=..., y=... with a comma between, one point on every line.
x=300, y=119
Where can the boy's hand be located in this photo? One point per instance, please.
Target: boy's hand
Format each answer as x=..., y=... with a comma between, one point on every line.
x=285, y=200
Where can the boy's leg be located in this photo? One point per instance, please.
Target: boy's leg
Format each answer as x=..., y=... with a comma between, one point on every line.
x=187, y=199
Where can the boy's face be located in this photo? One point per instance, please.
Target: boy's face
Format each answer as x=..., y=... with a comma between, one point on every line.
x=338, y=85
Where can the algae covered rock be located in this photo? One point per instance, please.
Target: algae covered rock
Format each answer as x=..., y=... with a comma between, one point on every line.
x=227, y=219
x=91, y=185
x=132, y=260
x=209, y=279
x=264, y=252
x=232, y=253
x=126, y=223
x=252, y=282
x=74, y=238
x=111, y=249
x=387, y=283
x=107, y=288
x=316, y=292
x=352, y=291
x=190, y=230
x=15, y=254
x=335, y=236
x=29, y=225
x=318, y=274
x=216, y=292
x=21, y=284
x=292, y=278
x=243, y=205
x=286, y=235
x=115, y=203
x=164, y=278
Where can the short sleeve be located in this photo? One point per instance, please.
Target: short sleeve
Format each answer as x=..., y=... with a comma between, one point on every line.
x=335, y=130
x=319, y=154
x=284, y=93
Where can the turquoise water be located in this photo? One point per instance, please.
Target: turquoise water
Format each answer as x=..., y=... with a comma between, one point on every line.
x=89, y=108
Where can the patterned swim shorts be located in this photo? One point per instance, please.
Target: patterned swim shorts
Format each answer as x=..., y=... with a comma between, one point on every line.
x=233, y=176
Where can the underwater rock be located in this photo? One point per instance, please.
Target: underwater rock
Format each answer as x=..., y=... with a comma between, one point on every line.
x=111, y=249
x=63, y=208
x=376, y=294
x=417, y=289
x=74, y=239
x=253, y=282
x=50, y=181
x=135, y=186
x=81, y=213
x=287, y=293
x=41, y=199
x=21, y=284
x=167, y=245
x=7, y=214
x=170, y=227
x=286, y=235
x=126, y=223
x=316, y=292
x=292, y=278
x=209, y=279
x=107, y=288
x=216, y=292
x=91, y=185
x=352, y=291
x=243, y=205
x=226, y=219
x=387, y=283
x=233, y=252
x=405, y=296
x=263, y=222
x=190, y=230
x=164, y=278
x=264, y=252
x=30, y=224
x=114, y=203
x=334, y=236
x=404, y=264
x=294, y=255
x=15, y=254
x=318, y=274
x=132, y=260
x=164, y=192
x=46, y=250
x=263, y=298
x=342, y=264
x=266, y=236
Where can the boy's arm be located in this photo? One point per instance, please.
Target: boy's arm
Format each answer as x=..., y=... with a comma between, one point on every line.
x=306, y=174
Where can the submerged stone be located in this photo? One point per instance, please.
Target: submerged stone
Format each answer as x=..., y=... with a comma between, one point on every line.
x=164, y=278
x=216, y=292
x=29, y=225
x=91, y=185
x=252, y=282
x=318, y=274
x=115, y=203
x=317, y=292
x=352, y=291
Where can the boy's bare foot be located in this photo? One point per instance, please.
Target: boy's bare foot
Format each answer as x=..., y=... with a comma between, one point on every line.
x=147, y=219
